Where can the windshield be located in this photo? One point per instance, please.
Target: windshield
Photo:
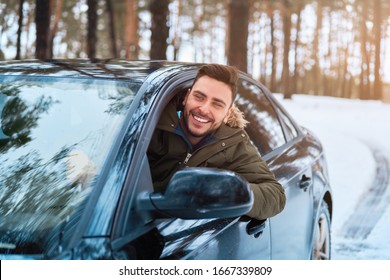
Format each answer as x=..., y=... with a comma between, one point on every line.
x=55, y=135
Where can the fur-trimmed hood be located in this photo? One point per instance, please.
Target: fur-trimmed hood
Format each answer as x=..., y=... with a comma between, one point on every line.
x=236, y=118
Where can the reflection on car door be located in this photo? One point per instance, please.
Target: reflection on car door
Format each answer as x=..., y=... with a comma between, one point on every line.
x=299, y=191
x=294, y=224
x=290, y=230
x=222, y=239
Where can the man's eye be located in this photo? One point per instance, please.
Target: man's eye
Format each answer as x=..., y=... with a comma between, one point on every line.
x=218, y=105
x=198, y=97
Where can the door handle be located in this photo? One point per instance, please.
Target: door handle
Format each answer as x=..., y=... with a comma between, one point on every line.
x=305, y=182
x=255, y=227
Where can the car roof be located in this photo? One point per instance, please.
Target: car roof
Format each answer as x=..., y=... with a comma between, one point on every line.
x=99, y=68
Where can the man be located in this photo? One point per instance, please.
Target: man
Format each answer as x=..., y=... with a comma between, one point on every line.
x=208, y=132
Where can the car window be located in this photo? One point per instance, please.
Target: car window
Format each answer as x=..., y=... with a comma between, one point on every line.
x=264, y=127
x=55, y=134
x=290, y=130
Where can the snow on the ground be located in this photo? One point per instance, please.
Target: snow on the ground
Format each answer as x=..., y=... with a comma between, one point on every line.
x=350, y=130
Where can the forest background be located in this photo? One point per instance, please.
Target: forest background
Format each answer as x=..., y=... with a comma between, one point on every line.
x=319, y=47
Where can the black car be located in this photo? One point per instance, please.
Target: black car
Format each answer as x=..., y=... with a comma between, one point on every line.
x=75, y=181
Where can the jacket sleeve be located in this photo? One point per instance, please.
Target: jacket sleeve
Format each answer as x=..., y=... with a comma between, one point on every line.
x=269, y=195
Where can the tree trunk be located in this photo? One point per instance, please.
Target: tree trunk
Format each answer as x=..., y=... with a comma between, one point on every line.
x=53, y=31
x=131, y=30
x=238, y=21
x=263, y=54
x=348, y=80
x=378, y=36
x=295, y=81
x=160, y=30
x=42, y=22
x=111, y=23
x=20, y=26
x=92, y=24
x=316, y=51
x=345, y=76
x=273, y=50
x=327, y=81
x=176, y=42
x=27, y=47
x=365, y=65
x=287, y=42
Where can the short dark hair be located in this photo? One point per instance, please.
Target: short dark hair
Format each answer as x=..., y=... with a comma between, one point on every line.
x=223, y=73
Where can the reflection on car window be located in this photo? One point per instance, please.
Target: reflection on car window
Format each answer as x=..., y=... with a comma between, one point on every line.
x=54, y=137
x=264, y=127
x=291, y=131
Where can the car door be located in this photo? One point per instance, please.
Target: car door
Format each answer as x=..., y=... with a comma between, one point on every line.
x=299, y=163
x=279, y=144
x=221, y=239
x=216, y=238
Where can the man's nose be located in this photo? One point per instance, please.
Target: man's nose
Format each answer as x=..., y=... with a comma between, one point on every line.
x=205, y=107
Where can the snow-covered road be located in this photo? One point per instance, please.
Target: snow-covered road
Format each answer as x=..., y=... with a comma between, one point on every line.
x=356, y=139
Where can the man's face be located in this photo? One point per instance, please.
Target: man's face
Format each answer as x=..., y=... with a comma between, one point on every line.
x=206, y=106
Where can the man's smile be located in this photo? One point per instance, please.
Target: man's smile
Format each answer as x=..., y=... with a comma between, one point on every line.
x=200, y=119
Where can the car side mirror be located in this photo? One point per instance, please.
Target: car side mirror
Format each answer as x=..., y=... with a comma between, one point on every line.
x=201, y=193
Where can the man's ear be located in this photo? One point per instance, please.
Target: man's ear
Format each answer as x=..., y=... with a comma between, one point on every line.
x=185, y=98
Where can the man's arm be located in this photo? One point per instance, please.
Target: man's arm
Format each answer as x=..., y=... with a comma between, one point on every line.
x=269, y=195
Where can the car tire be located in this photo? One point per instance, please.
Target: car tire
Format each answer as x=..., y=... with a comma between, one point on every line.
x=322, y=234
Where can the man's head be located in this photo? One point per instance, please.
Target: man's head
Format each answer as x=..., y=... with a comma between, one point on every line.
x=223, y=73
x=209, y=102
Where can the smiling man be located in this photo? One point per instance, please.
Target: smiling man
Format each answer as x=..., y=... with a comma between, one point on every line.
x=206, y=106
x=207, y=130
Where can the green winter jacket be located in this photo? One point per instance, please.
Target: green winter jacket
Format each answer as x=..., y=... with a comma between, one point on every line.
x=229, y=148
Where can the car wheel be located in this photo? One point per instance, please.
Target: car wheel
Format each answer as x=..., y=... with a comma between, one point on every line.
x=321, y=246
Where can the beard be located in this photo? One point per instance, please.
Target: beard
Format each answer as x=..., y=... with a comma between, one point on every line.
x=198, y=134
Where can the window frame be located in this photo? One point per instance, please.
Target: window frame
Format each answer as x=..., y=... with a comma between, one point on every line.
x=278, y=111
x=122, y=234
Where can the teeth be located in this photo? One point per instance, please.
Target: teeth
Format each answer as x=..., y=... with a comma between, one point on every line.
x=200, y=119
